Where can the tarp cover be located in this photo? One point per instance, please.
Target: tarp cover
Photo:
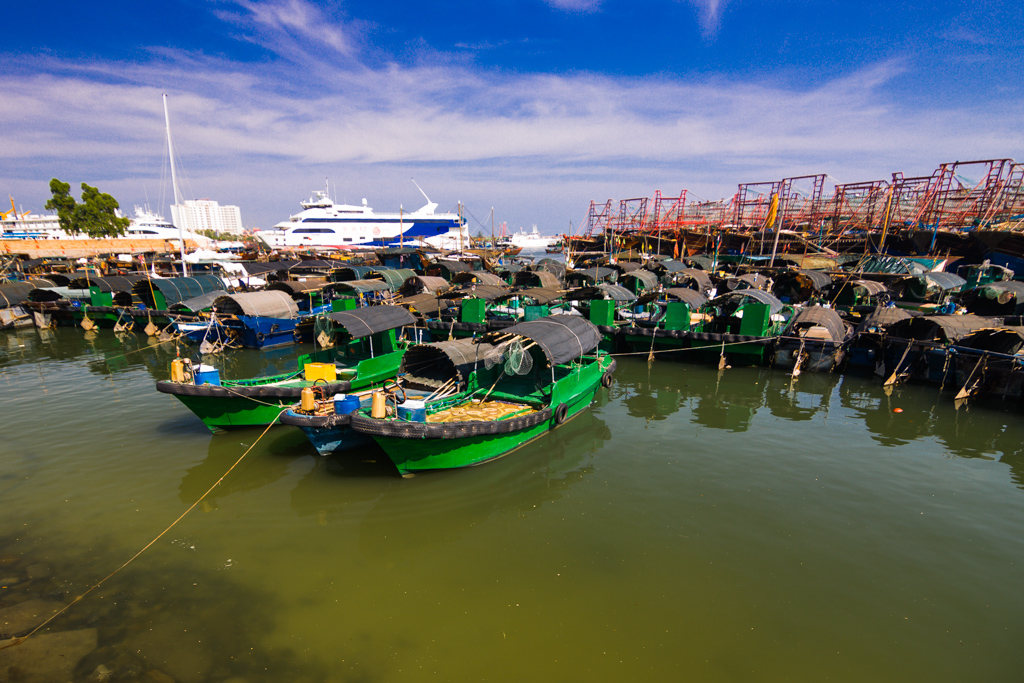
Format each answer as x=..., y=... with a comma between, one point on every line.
x=537, y=278
x=394, y=277
x=419, y=284
x=882, y=317
x=754, y=280
x=260, y=304
x=449, y=266
x=591, y=274
x=668, y=267
x=1006, y=339
x=941, y=328
x=112, y=283
x=539, y=295
x=627, y=266
x=485, y=292
x=427, y=304
x=761, y=296
x=827, y=318
x=362, y=322
x=257, y=268
x=14, y=293
x=441, y=361
x=177, y=289
x=562, y=337
x=690, y=296
x=199, y=303
x=479, y=277
x=700, y=277
x=360, y=286
x=349, y=273
x=647, y=279
x=299, y=287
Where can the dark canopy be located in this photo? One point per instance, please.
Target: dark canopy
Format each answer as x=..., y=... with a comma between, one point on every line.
x=599, y=274
x=436, y=363
x=485, y=292
x=642, y=279
x=363, y=322
x=261, y=304
x=199, y=303
x=14, y=293
x=942, y=328
x=562, y=337
x=538, y=295
x=537, y=278
x=690, y=296
x=427, y=304
x=817, y=316
x=758, y=295
x=478, y=277
x=112, y=283
x=177, y=289
x=359, y=286
x=882, y=317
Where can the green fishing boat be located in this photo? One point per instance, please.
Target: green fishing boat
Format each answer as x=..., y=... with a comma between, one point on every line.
x=364, y=353
x=520, y=383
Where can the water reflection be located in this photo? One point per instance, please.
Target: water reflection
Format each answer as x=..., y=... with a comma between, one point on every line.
x=264, y=466
x=398, y=517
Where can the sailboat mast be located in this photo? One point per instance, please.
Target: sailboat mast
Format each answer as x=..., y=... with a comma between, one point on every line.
x=174, y=186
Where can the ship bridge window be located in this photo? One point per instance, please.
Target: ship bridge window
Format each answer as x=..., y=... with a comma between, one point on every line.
x=348, y=239
x=143, y=232
x=307, y=230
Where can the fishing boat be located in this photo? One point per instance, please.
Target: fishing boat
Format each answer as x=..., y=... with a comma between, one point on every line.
x=522, y=382
x=365, y=353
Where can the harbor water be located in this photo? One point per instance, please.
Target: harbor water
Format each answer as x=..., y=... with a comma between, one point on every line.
x=695, y=524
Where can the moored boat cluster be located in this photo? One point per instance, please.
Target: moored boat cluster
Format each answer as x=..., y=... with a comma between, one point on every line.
x=448, y=360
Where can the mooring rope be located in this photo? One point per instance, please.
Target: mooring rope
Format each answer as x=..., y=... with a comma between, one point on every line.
x=22, y=639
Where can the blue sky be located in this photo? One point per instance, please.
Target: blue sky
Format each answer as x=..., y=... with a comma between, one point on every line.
x=533, y=107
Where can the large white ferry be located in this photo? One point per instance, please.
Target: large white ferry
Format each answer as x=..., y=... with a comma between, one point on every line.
x=324, y=224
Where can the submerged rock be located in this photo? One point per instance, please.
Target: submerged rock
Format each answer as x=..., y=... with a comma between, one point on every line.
x=18, y=619
x=47, y=658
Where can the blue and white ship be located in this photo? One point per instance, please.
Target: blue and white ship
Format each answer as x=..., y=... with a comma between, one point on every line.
x=324, y=224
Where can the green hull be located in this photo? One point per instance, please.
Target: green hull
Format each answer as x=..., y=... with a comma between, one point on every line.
x=221, y=412
x=576, y=390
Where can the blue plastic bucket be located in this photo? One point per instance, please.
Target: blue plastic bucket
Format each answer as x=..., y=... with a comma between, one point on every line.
x=413, y=411
x=345, y=404
x=207, y=374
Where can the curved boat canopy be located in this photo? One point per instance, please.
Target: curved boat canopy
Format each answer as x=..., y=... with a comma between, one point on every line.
x=362, y=322
x=562, y=337
x=176, y=289
x=258, y=304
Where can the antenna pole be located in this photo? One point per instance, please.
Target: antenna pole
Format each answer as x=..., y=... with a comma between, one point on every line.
x=421, y=190
x=174, y=185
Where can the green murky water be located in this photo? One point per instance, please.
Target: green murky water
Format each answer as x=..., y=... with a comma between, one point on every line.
x=691, y=526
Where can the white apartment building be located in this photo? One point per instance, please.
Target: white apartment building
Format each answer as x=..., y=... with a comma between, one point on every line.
x=205, y=214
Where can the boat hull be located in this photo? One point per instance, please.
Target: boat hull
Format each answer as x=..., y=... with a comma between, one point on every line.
x=411, y=454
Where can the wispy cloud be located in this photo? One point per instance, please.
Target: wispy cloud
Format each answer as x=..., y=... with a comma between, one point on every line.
x=576, y=5
x=709, y=14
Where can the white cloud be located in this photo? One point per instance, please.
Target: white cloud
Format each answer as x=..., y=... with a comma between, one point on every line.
x=537, y=147
x=709, y=14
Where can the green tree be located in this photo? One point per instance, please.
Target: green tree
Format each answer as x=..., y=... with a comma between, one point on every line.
x=64, y=204
x=96, y=216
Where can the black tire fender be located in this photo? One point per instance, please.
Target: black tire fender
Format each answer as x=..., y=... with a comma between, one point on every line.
x=606, y=379
x=260, y=337
x=561, y=412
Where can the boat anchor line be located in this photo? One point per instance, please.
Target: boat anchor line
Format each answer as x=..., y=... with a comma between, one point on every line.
x=22, y=639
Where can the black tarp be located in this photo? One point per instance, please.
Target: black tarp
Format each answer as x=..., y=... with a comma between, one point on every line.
x=562, y=337
x=14, y=293
x=177, y=289
x=761, y=296
x=690, y=296
x=538, y=295
x=362, y=322
x=199, y=303
x=440, y=362
x=258, y=304
x=818, y=316
x=941, y=328
x=882, y=317
x=111, y=283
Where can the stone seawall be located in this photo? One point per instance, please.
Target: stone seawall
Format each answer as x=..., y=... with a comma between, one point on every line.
x=80, y=248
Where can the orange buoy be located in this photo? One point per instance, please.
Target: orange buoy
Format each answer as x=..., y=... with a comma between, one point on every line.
x=897, y=410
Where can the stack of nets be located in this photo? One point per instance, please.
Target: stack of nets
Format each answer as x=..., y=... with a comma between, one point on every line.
x=473, y=412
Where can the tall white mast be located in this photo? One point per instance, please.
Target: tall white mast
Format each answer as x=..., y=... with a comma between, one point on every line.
x=174, y=185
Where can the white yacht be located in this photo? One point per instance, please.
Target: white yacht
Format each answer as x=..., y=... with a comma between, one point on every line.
x=532, y=240
x=324, y=224
x=30, y=226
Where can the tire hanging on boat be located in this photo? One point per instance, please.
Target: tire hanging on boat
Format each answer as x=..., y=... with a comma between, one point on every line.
x=606, y=379
x=561, y=413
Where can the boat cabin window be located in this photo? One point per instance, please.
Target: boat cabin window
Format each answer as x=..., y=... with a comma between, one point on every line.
x=305, y=230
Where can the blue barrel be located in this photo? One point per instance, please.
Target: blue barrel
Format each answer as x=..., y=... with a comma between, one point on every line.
x=345, y=404
x=207, y=374
x=413, y=411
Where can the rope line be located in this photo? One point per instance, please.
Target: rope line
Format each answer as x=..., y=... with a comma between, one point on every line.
x=22, y=639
